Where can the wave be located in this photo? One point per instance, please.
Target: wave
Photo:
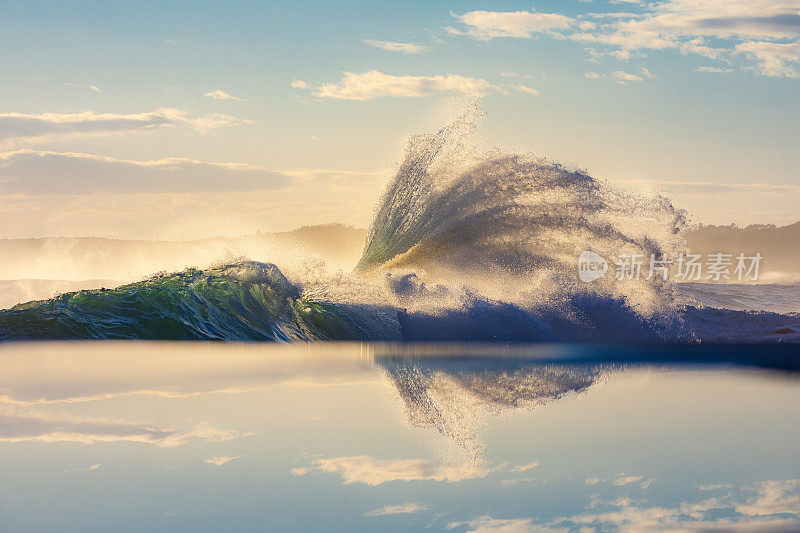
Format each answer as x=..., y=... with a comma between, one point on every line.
x=239, y=301
x=466, y=244
x=512, y=225
x=250, y=301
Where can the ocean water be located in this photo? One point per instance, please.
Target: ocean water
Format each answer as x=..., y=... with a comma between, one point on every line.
x=467, y=243
x=776, y=297
x=145, y=436
x=476, y=383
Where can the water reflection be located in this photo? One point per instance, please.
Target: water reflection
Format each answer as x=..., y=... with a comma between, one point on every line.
x=43, y=427
x=455, y=396
x=208, y=437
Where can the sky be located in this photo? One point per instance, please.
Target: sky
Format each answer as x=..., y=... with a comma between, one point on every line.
x=182, y=120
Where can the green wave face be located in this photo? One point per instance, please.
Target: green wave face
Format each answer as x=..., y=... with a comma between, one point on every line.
x=238, y=301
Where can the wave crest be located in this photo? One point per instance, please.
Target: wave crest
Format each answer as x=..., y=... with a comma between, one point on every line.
x=512, y=225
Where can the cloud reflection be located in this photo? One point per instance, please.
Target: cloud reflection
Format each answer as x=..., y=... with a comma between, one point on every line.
x=43, y=427
x=219, y=461
x=372, y=471
x=405, y=508
x=765, y=506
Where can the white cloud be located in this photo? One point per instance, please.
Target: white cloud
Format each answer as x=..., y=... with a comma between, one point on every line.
x=715, y=486
x=774, y=59
x=487, y=524
x=219, y=461
x=487, y=25
x=621, y=55
x=392, y=46
x=524, y=468
x=594, y=76
x=746, y=19
x=516, y=481
x=219, y=94
x=646, y=73
x=84, y=468
x=697, y=46
x=404, y=508
x=613, y=15
x=773, y=497
x=525, y=89
x=623, y=77
x=715, y=69
x=624, y=40
x=24, y=128
x=512, y=74
x=685, y=25
x=754, y=29
x=46, y=172
x=622, y=480
x=666, y=23
x=93, y=88
x=373, y=84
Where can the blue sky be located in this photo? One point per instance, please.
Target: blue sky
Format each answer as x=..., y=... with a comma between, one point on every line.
x=187, y=119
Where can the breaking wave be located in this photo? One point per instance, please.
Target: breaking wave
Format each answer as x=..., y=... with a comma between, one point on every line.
x=466, y=243
x=239, y=301
x=511, y=224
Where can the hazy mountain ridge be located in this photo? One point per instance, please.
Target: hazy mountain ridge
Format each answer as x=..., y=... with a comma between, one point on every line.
x=39, y=268
x=29, y=258
x=41, y=258
x=778, y=245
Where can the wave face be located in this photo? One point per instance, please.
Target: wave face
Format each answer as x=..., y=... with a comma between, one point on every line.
x=466, y=244
x=239, y=301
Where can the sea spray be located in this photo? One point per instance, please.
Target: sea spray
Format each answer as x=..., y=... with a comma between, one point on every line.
x=512, y=225
x=467, y=244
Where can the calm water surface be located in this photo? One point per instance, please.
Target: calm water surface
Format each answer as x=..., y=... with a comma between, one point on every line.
x=348, y=437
